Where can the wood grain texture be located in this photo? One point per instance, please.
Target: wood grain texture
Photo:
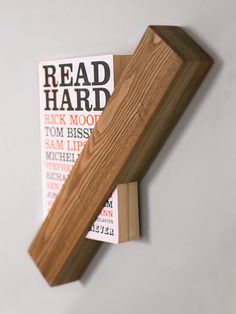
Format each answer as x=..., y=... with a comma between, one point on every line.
x=154, y=90
x=119, y=63
x=129, y=229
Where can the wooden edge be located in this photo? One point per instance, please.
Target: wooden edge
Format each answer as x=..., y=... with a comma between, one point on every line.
x=184, y=45
x=129, y=228
x=134, y=225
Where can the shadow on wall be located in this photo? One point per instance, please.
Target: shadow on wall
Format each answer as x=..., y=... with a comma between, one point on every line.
x=195, y=104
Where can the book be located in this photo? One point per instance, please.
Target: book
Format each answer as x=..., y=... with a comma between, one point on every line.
x=73, y=94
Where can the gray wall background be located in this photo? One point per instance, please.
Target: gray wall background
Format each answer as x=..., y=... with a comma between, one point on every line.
x=186, y=259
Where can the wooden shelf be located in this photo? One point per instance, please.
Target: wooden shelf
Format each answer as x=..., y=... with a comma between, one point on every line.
x=164, y=73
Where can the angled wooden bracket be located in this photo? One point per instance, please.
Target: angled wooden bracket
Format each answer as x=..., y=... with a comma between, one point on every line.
x=151, y=95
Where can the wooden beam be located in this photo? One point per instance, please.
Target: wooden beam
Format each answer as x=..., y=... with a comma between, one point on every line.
x=153, y=92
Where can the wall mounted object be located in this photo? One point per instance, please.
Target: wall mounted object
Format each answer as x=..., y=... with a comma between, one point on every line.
x=73, y=94
x=164, y=73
